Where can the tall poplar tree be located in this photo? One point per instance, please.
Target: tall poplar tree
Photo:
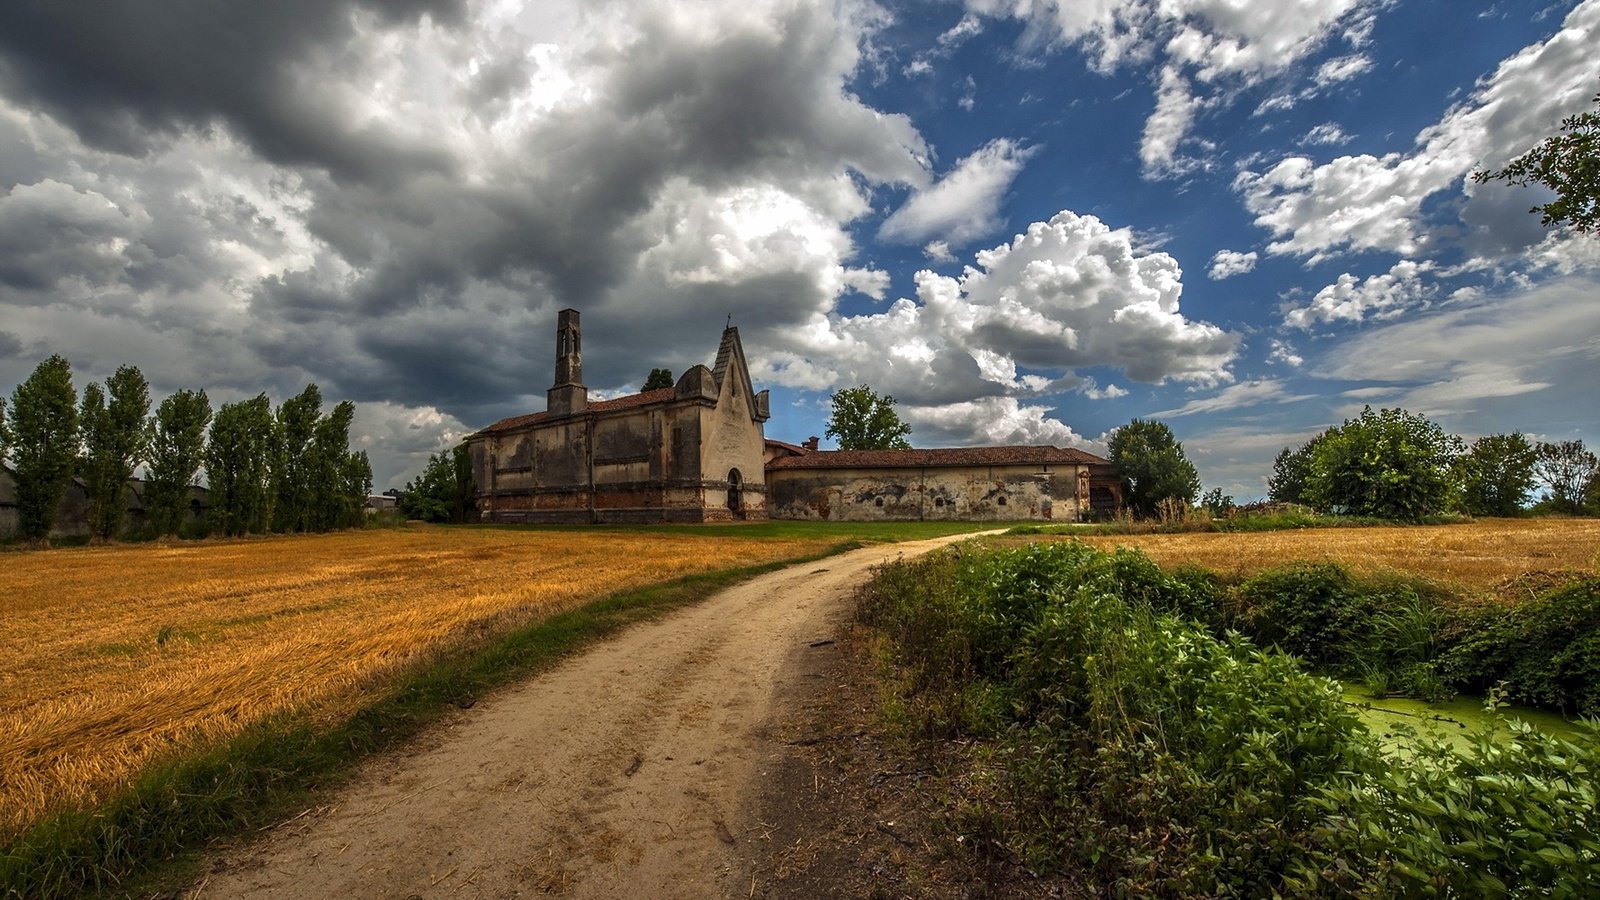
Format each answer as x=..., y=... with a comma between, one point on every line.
x=294, y=435
x=43, y=425
x=330, y=449
x=177, y=448
x=237, y=466
x=113, y=444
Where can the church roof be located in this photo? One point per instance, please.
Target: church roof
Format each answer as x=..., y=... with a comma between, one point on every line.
x=616, y=404
x=1027, y=455
x=792, y=449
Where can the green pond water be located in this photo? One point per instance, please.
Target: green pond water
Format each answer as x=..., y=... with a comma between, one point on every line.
x=1451, y=720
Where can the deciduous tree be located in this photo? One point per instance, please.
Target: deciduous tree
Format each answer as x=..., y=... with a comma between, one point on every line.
x=1390, y=464
x=1291, y=472
x=658, y=378
x=114, y=439
x=327, y=470
x=1495, y=475
x=177, y=448
x=1150, y=462
x=1565, y=467
x=237, y=466
x=43, y=426
x=863, y=420
x=294, y=432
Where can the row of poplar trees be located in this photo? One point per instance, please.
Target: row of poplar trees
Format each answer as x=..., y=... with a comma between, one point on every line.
x=284, y=470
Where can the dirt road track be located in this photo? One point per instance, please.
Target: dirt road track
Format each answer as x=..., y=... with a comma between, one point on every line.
x=628, y=771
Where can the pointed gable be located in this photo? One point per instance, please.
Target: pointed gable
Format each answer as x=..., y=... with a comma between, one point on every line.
x=730, y=359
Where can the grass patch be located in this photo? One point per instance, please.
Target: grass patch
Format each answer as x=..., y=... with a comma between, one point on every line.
x=151, y=834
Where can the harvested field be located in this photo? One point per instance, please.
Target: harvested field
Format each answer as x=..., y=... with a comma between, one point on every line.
x=117, y=656
x=1472, y=557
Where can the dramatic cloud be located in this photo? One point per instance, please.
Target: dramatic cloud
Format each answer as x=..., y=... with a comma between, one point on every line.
x=1377, y=203
x=393, y=200
x=965, y=204
x=1228, y=263
x=1066, y=295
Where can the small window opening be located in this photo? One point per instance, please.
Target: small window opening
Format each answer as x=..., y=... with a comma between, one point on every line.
x=938, y=501
x=878, y=502
x=1001, y=501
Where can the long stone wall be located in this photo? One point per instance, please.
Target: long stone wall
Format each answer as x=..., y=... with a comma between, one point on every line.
x=978, y=493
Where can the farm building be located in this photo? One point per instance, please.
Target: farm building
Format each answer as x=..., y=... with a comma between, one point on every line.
x=961, y=483
x=688, y=453
x=72, y=516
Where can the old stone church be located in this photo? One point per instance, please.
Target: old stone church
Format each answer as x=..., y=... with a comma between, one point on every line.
x=696, y=452
x=688, y=453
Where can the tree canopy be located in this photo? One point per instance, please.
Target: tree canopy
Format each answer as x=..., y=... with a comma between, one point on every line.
x=657, y=379
x=864, y=420
x=1566, y=468
x=237, y=458
x=1389, y=464
x=444, y=490
x=1495, y=475
x=1150, y=462
x=43, y=425
x=177, y=441
x=1567, y=163
x=113, y=443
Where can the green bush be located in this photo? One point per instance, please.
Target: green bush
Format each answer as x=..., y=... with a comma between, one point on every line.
x=1544, y=651
x=1131, y=744
x=1312, y=611
x=1515, y=813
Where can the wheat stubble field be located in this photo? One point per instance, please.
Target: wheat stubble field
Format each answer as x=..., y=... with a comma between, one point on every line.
x=1473, y=557
x=114, y=657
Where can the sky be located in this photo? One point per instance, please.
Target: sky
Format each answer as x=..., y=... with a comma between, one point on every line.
x=1029, y=221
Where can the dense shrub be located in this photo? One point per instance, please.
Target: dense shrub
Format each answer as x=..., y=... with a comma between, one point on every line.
x=1136, y=746
x=1544, y=651
x=1515, y=813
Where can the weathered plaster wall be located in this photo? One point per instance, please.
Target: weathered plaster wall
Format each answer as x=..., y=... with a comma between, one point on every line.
x=734, y=441
x=979, y=493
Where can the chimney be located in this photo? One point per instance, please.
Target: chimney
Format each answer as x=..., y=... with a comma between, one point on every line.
x=810, y=444
x=568, y=396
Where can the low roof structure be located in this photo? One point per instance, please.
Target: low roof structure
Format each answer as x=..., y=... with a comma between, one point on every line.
x=1025, y=455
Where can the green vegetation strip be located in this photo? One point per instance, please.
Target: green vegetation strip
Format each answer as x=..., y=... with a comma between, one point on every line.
x=1121, y=729
x=152, y=833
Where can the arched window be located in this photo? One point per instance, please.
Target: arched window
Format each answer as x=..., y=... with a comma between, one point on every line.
x=735, y=483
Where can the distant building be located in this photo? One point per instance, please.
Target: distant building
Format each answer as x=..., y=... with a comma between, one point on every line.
x=379, y=503
x=72, y=515
x=689, y=453
x=957, y=483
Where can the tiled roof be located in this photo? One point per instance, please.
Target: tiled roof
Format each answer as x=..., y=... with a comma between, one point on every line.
x=1036, y=455
x=659, y=395
x=794, y=449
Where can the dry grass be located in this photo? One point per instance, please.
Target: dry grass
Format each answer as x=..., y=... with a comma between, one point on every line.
x=116, y=656
x=1473, y=557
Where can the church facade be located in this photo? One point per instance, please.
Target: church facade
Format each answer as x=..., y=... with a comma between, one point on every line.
x=689, y=453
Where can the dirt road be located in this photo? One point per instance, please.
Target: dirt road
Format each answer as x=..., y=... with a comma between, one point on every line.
x=630, y=770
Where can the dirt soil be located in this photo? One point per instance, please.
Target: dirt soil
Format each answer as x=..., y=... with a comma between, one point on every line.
x=673, y=760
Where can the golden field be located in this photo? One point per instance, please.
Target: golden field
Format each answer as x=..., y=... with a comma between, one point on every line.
x=116, y=656
x=1472, y=557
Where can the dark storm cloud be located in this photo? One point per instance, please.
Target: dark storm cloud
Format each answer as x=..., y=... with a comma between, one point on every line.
x=123, y=73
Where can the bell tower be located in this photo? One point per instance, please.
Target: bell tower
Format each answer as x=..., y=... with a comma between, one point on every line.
x=568, y=396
